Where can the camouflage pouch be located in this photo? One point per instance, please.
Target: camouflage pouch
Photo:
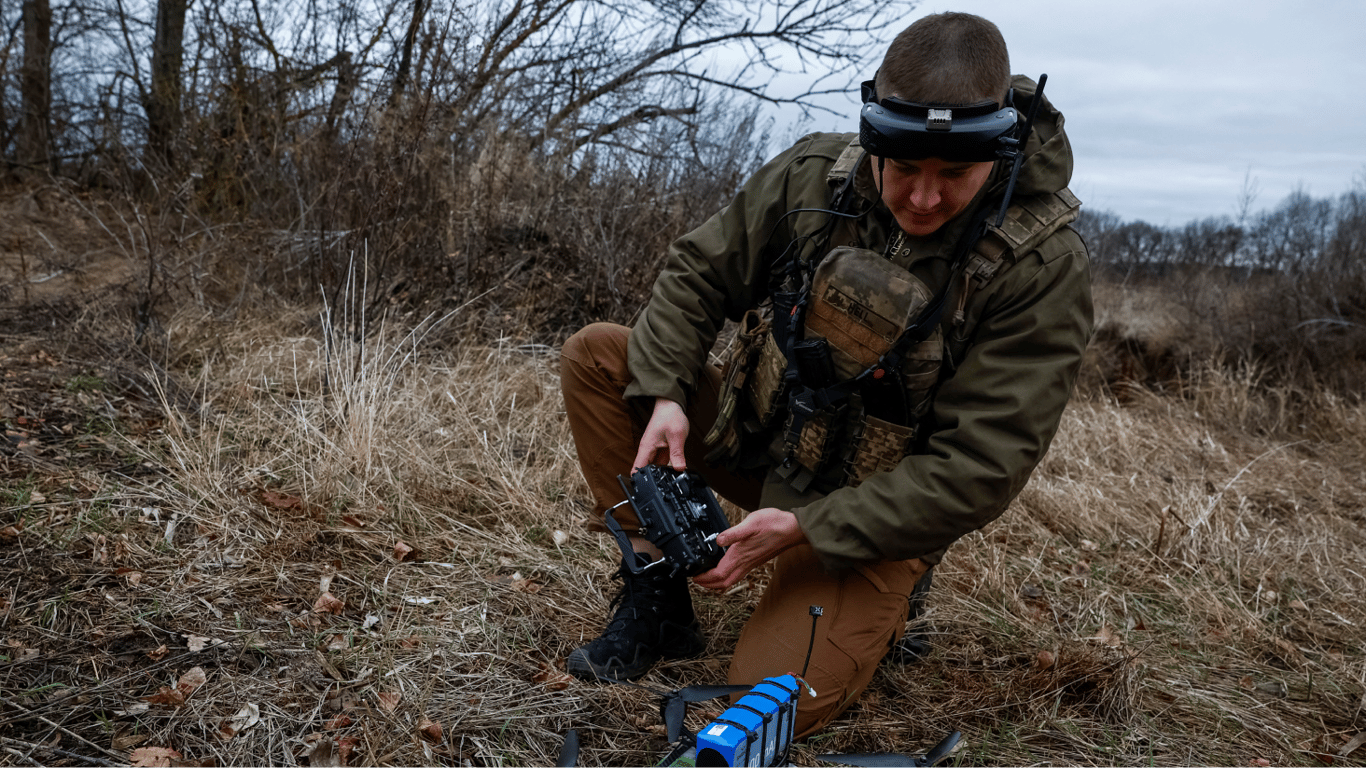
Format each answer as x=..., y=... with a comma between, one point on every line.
x=879, y=448
x=723, y=439
x=767, y=392
x=861, y=303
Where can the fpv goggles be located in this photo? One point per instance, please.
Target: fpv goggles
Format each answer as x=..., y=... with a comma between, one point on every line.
x=903, y=130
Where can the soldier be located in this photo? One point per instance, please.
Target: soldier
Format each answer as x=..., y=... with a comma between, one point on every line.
x=913, y=311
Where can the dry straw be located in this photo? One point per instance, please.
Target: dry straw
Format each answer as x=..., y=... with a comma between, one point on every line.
x=371, y=533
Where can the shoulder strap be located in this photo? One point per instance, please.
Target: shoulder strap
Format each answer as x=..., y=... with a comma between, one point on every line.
x=1028, y=222
x=841, y=181
x=845, y=164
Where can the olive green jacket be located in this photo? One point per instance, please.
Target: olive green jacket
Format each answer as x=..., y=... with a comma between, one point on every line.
x=1008, y=370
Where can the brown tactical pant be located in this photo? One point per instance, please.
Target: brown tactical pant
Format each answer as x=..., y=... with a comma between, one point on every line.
x=865, y=607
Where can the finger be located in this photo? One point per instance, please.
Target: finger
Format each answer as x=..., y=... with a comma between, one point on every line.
x=726, y=573
x=676, y=457
x=643, y=455
x=713, y=580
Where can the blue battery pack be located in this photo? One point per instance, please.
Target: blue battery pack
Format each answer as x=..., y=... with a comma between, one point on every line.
x=756, y=730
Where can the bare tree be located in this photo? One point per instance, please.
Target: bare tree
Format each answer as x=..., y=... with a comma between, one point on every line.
x=33, y=150
x=405, y=61
x=163, y=98
x=566, y=73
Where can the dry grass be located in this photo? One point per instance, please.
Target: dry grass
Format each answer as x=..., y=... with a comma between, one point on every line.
x=1178, y=584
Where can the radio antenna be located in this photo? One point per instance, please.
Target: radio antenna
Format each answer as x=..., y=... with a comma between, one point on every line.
x=1019, y=150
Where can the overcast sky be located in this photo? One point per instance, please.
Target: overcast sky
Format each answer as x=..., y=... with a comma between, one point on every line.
x=1172, y=105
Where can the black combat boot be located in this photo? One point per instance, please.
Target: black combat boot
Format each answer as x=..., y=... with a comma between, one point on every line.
x=653, y=620
x=914, y=644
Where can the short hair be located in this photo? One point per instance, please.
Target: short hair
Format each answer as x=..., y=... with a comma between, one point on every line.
x=946, y=58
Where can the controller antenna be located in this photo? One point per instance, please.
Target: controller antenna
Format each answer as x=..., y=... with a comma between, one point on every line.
x=816, y=612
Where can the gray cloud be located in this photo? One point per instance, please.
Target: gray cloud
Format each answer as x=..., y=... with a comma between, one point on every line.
x=1172, y=105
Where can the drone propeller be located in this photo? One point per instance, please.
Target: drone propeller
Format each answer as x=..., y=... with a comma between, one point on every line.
x=886, y=759
x=675, y=704
x=569, y=752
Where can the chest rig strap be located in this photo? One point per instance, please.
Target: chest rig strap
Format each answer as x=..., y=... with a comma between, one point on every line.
x=1026, y=225
x=817, y=405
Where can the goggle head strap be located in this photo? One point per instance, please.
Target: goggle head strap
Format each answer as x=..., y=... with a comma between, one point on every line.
x=894, y=129
x=903, y=130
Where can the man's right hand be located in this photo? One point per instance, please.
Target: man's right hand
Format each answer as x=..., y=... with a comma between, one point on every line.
x=666, y=433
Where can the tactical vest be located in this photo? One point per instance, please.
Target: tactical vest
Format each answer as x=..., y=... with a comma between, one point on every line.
x=852, y=391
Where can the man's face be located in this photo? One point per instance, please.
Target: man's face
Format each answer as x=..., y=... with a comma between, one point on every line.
x=924, y=194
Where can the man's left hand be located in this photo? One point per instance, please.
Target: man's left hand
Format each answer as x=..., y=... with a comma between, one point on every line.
x=760, y=537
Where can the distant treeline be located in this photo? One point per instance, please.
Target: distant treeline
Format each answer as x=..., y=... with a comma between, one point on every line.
x=1284, y=288
x=1301, y=236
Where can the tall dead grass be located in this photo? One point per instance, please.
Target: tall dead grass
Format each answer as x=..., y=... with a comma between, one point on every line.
x=1177, y=585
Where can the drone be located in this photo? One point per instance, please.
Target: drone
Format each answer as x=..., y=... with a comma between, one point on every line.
x=688, y=749
x=756, y=731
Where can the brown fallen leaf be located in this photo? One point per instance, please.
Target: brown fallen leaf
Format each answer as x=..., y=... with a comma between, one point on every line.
x=553, y=679
x=167, y=696
x=1260, y=762
x=388, y=700
x=345, y=746
x=280, y=500
x=324, y=753
x=1044, y=660
x=197, y=643
x=328, y=603
x=191, y=680
x=1109, y=637
x=159, y=653
x=152, y=757
x=430, y=730
x=404, y=553
x=354, y=521
x=529, y=586
x=1291, y=652
x=246, y=717
x=337, y=643
x=339, y=722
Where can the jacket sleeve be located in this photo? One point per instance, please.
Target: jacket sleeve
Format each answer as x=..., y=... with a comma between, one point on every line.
x=991, y=421
x=714, y=272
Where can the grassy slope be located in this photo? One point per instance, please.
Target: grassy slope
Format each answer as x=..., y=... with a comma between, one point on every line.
x=1179, y=584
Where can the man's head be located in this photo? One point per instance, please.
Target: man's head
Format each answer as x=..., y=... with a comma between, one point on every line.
x=947, y=59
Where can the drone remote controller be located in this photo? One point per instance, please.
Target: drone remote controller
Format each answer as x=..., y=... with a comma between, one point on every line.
x=678, y=513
